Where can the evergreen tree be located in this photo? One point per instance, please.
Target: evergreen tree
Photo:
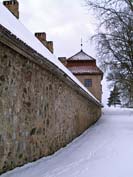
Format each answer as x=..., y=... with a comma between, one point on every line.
x=114, y=98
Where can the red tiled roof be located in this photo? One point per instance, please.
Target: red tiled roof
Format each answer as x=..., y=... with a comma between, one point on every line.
x=85, y=70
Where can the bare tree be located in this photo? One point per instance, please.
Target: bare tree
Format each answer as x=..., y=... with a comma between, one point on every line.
x=114, y=41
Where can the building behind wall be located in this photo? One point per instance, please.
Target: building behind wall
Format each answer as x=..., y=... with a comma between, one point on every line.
x=85, y=69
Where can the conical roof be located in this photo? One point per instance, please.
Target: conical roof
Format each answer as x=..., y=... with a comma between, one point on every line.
x=80, y=56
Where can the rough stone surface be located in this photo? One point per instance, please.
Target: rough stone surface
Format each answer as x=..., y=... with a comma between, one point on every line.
x=39, y=112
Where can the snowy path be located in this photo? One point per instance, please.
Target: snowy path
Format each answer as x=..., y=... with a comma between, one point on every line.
x=104, y=150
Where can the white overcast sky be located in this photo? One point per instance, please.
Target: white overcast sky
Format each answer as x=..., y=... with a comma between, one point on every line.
x=65, y=22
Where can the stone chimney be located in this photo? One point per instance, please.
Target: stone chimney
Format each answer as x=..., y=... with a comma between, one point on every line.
x=42, y=38
x=63, y=60
x=13, y=6
x=50, y=46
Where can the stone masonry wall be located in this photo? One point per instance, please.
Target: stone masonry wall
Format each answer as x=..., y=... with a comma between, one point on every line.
x=39, y=112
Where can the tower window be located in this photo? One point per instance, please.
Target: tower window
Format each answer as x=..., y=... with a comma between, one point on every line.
x=88, y=82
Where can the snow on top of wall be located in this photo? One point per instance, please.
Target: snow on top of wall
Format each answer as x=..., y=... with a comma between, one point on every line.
x=20, y=31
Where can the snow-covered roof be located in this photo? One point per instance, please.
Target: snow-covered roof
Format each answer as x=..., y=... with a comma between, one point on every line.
x=20, y=31
x=80, y=56
x=85, y=70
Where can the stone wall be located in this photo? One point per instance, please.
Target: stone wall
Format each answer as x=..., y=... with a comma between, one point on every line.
x=40, y=112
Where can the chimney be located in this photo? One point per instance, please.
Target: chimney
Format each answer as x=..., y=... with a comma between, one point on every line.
x=50, y=46
x=42, y=38
x=63, y=60
x=13, y=6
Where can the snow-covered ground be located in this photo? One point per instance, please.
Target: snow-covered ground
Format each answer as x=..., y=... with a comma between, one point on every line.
x=104, y=150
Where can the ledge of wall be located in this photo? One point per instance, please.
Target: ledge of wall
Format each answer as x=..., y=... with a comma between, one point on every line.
x=41, y=109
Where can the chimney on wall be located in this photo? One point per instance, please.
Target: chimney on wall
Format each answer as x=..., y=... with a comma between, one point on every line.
x=42, y=38
x=63, y=60
x=50, y=46
x=13, y=6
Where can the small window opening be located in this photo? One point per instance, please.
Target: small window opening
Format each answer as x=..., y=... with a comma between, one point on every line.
x=88, y=82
